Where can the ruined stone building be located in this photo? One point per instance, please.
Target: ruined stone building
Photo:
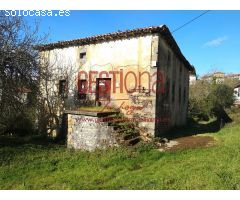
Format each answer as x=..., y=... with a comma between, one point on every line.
x=142, y=72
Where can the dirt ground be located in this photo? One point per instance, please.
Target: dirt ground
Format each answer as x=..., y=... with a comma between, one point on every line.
x=189, y=142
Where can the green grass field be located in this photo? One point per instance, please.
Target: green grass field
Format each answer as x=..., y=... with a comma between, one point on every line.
x=29, y=165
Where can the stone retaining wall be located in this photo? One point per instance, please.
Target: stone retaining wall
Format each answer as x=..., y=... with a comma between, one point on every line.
x=88, y=131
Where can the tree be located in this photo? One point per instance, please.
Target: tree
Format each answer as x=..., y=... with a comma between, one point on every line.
x=209, y=98
x=51, y=103
x=198, y=95
x=19, y=67
x=23, y=67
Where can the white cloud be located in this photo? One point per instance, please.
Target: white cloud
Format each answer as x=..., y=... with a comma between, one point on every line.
x=216, y=42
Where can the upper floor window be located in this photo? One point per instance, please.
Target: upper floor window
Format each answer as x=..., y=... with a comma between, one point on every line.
x=83, y=55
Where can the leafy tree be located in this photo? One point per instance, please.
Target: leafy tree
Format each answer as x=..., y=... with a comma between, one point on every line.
x=19, y=68
x=210, y=98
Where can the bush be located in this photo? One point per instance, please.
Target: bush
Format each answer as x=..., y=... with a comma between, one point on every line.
x=20, y=124
x=206, y=98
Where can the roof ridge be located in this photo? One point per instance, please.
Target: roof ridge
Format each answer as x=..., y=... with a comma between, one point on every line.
x=99, y=36
x=162, y=29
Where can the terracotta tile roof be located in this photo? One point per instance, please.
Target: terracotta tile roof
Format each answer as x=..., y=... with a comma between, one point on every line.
x=162, y=30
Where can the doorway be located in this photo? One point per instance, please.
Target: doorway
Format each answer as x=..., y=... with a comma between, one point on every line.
x=103, y=91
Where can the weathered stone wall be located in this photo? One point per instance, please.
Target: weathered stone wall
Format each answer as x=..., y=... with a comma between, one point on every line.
x=171, y=106
x=146, y=98
x=132, y=54
x=88, y=132
x=138, y=54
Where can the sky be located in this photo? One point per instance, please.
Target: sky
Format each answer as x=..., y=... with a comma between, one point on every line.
x=210, y=43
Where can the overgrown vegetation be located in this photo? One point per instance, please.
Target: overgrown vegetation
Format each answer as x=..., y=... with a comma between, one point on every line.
x=19, y=75
x=209, y=99
x=35, y=165
x=31, y=161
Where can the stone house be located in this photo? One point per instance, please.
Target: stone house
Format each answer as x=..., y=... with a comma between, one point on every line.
x=142, y=72
x=23, y=94
x=220, y=77
x=234, y=76
x=237, y=94
x=217, y=76
x=192, y=78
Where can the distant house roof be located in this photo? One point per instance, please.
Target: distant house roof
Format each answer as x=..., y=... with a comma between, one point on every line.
x=24, y=90
x=222, y=74
x=233, y=75
x=214, y=74
x=163, y=30
x=237, y=85
x=207, y=76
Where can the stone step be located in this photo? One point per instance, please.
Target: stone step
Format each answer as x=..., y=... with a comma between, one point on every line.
x=129, y=136
x=133, y=141
x=127, y=132
x=125, y=127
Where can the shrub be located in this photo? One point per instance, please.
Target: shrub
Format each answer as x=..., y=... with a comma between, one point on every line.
x=207, y=98
x=20, y=124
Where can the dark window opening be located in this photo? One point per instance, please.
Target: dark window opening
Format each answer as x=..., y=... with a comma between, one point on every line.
x=63, y=88
x=167, y=90
x=180, y=95
x=173, y=92
x=169, y=60
x=83, y=55
x=185, y=95
x=82, y=89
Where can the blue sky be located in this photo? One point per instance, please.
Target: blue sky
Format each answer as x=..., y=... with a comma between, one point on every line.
x=210, y=43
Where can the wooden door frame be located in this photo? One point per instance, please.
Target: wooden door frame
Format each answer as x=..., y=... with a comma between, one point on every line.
x=97, y=90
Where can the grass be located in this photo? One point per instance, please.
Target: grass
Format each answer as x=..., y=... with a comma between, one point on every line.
x=35, y=165
x=97, y=109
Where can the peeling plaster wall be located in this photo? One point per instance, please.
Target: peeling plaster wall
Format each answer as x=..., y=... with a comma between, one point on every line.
x=133, y=54
x=137, y=55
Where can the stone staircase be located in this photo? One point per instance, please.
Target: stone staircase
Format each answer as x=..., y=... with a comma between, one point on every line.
x=126, y=132
x=91, y=130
